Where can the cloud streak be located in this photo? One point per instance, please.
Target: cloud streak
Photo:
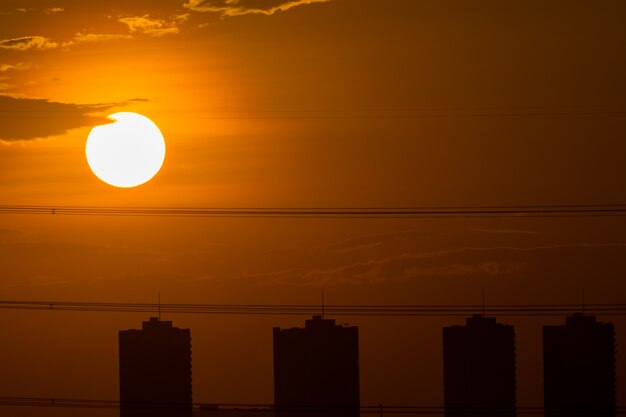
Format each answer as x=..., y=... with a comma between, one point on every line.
x=25, y=43
x=5, y=86
x=95, y=37
x=26, y=119
x=504, y=261
x=151, y=26
x=243, y=7
x=20, y=66
x=49, y=10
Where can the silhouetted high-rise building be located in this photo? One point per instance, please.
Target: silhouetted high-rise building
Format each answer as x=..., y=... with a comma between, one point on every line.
x=479, y=368
x=579, y=368
x=209, y=410
x=155, y=371
x=316, y=370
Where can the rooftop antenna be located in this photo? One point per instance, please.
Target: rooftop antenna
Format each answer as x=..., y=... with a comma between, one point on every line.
x=159, y=301
x=483, y=301
x=323, y=306
x=583, y=301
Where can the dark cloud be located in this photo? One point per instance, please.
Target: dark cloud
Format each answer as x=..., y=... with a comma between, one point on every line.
x=27, y=42
x=26, y=118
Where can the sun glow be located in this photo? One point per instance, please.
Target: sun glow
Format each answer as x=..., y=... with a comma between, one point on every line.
x=127, y=152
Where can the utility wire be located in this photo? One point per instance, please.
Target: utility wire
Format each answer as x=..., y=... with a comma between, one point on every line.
x=580, y=210
x=514, y=310
x=267, y=408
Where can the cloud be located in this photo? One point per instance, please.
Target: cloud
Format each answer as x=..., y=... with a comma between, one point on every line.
x=151, y=26
x=500, y=261
x=99, y=37
x=78, y=38
x=20, y=66
x=28, y=42
x=368, y=241
x=95, y=37
x=26, y=118
x=49, y=10
x=244, y=7
x=399, y=268
x=53, y=10
x=377, y=240
x=502, y=231
x=6, y=86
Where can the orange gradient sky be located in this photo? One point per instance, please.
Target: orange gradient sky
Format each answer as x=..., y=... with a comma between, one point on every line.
x=307, y=103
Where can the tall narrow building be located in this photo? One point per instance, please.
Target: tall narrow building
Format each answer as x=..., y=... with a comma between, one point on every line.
x=316, y=370
x=155, y=371
x=479, y=368
x=579, y=368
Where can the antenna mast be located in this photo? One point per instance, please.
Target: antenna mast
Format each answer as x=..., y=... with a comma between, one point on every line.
x=483, y=301
x=159, y=302
x=583, y=301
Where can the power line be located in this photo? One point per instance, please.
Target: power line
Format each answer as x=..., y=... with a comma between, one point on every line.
x=514, y=310
x=264, y=408
x=578, y=210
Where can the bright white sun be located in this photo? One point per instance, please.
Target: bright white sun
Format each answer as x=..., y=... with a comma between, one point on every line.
x=125, y=153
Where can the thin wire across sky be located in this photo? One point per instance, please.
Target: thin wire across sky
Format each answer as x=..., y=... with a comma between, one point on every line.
x=517, y=310
x=427, y=212
x=265, y=408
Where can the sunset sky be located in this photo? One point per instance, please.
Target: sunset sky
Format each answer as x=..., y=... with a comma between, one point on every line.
x=307, y=103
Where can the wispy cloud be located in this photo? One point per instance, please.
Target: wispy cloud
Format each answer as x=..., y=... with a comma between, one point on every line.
x=53, y=10
x=502, y=231
x=48, y=10
x=396, y=269
x=504, y=261
x=5, y=86
x=95, y=37
x=368, y=241
x=137, y=25
x=152, y=26
x=28, y=42
x=20, y=66
x=244, y=7
x=375, y=240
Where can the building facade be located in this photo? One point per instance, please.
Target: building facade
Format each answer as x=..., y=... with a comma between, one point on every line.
x=579, y=368
x=479, y=369
x=155, y=371
x=316, y=370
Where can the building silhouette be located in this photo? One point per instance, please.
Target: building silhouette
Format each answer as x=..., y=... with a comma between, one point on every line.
x=579, y=368
x=479, y=368
x=316, y=370
x=214, y=410
x=155, y=371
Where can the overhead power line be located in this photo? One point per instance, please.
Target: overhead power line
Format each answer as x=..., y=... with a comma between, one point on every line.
x=518, y=310
x=266, y=408
x=578, y=210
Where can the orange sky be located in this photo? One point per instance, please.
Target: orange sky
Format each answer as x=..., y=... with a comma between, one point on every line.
x=338, y=103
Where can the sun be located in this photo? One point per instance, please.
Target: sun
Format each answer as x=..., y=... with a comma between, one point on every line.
x=125, y=153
